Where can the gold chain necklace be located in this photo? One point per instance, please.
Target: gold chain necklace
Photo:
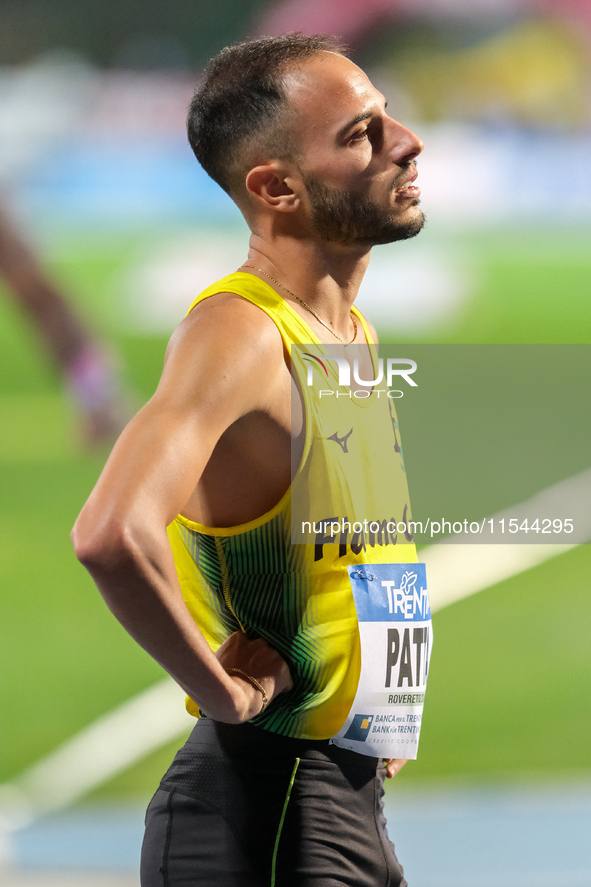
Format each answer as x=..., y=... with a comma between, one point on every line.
x=308, y=307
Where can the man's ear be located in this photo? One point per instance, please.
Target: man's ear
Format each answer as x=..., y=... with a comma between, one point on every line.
x=271, y=184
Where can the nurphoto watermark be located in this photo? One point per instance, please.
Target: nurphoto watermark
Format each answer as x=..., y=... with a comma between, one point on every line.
x=441, y=443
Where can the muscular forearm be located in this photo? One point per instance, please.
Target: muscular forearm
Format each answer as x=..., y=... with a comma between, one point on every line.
x=140, y=586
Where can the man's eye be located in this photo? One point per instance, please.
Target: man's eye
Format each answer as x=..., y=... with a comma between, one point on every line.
x=356, y=137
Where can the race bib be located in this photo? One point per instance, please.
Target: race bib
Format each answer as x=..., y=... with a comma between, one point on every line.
x=396, y=639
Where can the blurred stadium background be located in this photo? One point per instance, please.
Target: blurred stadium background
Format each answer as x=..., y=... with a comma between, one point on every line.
x=95, y=169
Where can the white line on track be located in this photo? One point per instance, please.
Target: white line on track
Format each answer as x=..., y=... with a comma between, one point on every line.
x=456, y=571
x=100, y=751
x=157, y=716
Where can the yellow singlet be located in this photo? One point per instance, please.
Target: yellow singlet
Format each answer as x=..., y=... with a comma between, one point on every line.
x=298, y=597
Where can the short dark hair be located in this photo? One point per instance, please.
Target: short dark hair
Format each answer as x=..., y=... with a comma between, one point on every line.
x=242, y=97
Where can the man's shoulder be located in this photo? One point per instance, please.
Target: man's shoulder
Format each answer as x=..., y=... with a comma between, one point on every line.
x=228, y=317
x=225, y=337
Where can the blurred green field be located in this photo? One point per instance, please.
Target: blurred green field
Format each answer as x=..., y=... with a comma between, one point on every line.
x=511, y=669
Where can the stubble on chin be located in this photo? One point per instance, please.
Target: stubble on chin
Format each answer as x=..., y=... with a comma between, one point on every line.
x=354, y=220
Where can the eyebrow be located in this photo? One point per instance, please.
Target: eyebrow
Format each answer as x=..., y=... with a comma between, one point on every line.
x=364, y=115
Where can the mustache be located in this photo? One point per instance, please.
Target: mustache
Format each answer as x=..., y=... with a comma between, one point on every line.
x=404, y=169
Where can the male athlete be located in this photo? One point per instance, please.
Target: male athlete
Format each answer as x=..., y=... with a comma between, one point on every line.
x=261, y=633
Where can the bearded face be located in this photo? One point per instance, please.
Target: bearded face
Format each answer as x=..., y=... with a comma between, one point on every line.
x=356, y=220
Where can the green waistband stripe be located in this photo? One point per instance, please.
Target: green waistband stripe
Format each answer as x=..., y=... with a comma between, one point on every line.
x=281, y=821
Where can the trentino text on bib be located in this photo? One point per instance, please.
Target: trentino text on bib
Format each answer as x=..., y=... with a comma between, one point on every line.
x=396, y=639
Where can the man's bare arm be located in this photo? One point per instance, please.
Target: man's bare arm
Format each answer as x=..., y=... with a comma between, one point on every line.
x=211, y=379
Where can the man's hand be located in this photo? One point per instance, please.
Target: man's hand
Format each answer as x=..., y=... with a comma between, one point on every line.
x=260, y=661
x=394, y=766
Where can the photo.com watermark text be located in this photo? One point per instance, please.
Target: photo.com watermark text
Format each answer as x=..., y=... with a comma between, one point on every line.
x=542, y=526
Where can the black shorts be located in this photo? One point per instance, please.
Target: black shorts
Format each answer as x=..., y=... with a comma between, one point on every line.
x=241, y=807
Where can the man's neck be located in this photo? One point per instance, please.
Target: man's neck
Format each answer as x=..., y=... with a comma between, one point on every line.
x=326, y=276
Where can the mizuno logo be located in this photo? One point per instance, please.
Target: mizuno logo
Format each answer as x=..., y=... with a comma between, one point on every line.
x=342, y=441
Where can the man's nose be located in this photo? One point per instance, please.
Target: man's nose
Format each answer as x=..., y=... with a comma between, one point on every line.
x=404, y=144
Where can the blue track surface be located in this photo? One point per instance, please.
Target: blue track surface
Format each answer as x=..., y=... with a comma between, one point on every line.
x=520, y=837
